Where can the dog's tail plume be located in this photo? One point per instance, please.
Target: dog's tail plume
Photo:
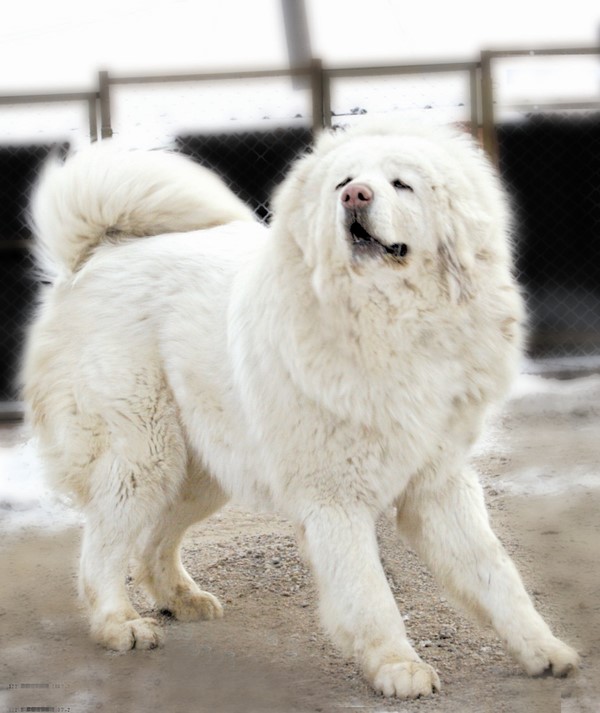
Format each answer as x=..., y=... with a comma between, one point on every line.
x=105, y=194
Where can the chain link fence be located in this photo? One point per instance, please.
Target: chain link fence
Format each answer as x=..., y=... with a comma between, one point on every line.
x=19, y=167
x=551, y=166
x=249, y=131
x=547, y=128
x=252, y=163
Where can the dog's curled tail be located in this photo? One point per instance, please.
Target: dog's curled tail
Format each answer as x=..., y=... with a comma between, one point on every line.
x=105, y=193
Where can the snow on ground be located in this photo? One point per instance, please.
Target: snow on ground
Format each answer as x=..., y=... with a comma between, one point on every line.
x=544, y=441
x=564, y=412
x=25, y=500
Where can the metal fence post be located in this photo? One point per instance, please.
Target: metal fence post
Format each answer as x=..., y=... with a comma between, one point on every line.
x=326, y=100
x=93, y=118
x=316, y=85
x=474, y=99
x=490, y=143
x=104, y=86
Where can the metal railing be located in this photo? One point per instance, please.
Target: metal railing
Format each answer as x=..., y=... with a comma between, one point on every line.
x=488, y=57
x=480, y=76
x=90, y=98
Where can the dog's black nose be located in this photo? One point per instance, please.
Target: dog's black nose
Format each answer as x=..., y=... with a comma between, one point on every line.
x=398, y=249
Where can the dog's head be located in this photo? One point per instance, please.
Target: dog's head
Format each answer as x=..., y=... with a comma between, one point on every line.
x=382, y=201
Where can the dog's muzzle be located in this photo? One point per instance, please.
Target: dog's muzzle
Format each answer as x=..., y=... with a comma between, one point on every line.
x=356, y=198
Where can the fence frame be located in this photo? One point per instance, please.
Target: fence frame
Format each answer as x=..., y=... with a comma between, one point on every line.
x=320, y=79
x=481, y=90
x=488, y=121
x=313, y=73
x=59, y=97
x=471, y=68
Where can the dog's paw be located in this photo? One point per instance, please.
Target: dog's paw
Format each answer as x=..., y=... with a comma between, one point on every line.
x=550, y=657
x=142, y=633
x=193, y=605
x=406, y=679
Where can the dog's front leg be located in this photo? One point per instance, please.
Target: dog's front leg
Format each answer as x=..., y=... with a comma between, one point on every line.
x=444, y=519
x=357, y=607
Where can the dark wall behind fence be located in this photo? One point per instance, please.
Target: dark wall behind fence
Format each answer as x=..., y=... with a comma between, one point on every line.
x=551, y=167
x=252, y=163
x=19, y=168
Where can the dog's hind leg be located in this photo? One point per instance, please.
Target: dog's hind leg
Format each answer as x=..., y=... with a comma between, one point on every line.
x=443, y=516
x=131, y=483
x=114, y=623
x=160, y=570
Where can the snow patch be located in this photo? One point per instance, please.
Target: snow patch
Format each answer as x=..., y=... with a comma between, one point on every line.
x=541, y=480
x=25, y=500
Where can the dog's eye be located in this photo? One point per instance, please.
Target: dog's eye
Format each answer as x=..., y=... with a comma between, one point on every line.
x=401, y=185
x=343, y=183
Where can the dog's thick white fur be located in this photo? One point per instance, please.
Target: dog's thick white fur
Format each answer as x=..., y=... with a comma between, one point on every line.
x=331, y=366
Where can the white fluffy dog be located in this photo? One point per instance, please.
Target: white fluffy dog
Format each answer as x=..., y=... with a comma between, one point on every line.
x=331, y=366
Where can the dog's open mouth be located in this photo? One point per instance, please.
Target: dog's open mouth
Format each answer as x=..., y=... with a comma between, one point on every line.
x=363, y=243
x=359, y=233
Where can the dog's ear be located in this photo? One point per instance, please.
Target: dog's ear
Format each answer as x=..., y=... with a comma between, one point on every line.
x=295, y=197
x=289, y=206
x=456, y=229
